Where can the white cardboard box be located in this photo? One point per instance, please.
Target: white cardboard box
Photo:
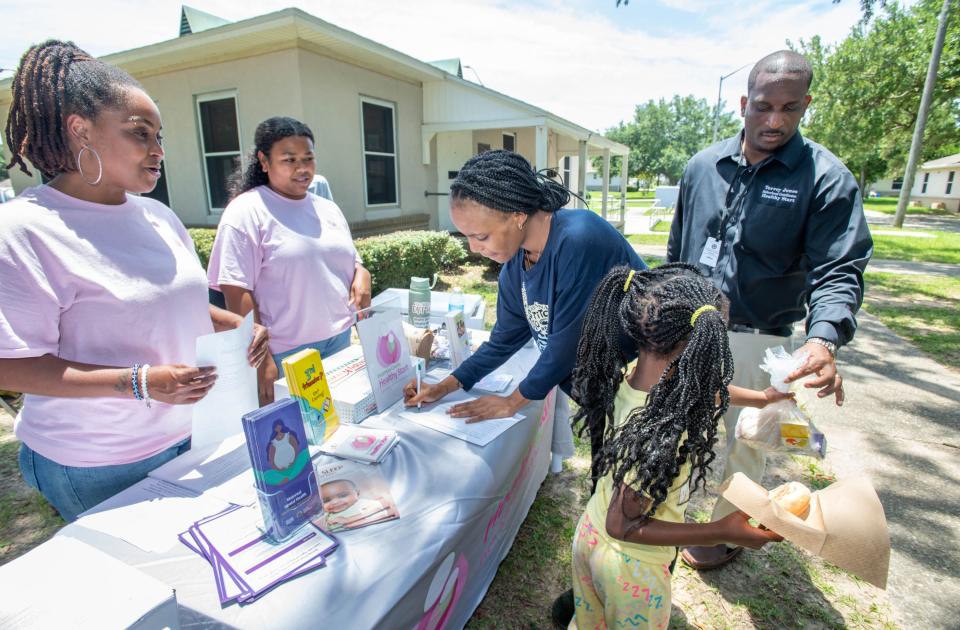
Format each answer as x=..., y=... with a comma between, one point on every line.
x=474, y=306
x=65, y=583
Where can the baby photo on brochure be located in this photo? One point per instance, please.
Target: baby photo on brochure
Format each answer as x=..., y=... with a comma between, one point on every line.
x=353, y=495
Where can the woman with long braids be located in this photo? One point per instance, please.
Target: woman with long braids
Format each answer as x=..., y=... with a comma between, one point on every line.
x=102, y=295
x=286, y=253
x=655, y=424
x=552, y=260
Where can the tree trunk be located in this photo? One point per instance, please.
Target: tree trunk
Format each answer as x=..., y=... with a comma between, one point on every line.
x=863, y=181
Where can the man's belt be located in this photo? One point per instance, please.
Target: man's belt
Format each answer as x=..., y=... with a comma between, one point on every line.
x=782, y=331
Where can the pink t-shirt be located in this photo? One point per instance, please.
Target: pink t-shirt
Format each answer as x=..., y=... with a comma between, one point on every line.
x=105, y=285
x=296, y=256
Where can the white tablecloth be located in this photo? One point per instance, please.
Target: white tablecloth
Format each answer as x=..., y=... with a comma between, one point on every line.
x=460, y=509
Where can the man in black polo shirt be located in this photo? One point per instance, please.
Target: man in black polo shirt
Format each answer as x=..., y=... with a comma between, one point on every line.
x=777, y=222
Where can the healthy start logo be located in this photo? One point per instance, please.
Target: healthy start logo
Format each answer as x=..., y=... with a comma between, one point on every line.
x=388, y=349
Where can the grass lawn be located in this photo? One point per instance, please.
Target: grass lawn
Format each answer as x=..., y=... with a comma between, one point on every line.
x=944, y=247
x=923, y=309
x=26, y=520
x=660, y=238
x=888, y=205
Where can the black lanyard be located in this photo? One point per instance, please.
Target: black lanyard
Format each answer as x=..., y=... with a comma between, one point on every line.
x=734, y=200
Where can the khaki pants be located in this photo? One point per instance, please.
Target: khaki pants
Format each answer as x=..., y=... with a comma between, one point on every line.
x=748, y=350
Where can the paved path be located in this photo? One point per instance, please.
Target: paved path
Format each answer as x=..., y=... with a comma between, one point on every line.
x=901, y=427
x=940, y=222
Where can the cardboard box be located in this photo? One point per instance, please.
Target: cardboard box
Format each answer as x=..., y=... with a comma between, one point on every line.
x=845, y=524
x=346, y=373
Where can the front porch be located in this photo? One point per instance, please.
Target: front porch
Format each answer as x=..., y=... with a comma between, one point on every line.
x=462, y=119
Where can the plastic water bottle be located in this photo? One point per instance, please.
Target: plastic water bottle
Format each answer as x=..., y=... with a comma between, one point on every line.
x=456, y=300
x=419, y=303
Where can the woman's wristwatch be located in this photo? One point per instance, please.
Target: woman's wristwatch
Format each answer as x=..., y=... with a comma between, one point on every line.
x=829, y=345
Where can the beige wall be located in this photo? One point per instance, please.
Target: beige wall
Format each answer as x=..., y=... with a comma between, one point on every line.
x=265, y=85
x=331, y=106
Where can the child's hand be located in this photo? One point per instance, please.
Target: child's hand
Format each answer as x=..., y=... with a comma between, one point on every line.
x=772, y=395
x=737, y=530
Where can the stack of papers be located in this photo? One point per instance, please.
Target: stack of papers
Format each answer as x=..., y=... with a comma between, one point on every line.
x=360, y=443
x=246, y=563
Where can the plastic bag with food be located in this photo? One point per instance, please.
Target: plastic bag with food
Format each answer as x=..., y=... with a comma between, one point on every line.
x=783, y=426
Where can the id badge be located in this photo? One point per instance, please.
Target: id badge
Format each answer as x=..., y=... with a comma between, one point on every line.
x=711, y=253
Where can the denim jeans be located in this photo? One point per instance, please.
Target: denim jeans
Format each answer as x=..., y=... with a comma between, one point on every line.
x=326, y=348
x=74, y=489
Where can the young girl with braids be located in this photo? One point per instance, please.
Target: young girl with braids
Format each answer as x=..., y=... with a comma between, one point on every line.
x=102, y=295
x=286, y=253
x=655, y=423
x=552, y=260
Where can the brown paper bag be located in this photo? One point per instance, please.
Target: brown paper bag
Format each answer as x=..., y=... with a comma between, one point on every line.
x=845, y=525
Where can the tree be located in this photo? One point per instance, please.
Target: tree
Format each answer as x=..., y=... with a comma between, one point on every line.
x=664, y=135
x=867, y=89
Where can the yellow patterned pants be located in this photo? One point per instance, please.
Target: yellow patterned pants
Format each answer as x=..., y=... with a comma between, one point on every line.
x=614, y=590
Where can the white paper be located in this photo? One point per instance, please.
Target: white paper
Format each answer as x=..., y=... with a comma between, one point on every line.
x=150, y=514
x=219, y=470
x=387, y=355
x=434, y=416
x=217, y=415
x=237, y=537
x=495, y=383
x=65, y=583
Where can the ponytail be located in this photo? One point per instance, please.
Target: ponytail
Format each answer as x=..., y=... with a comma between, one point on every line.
x=660, y=310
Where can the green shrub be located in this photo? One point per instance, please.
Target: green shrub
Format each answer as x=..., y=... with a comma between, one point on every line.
x=393, y=258
x=203, y=241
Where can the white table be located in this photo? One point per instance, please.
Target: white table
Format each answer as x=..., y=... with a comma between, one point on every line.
x=460, y=509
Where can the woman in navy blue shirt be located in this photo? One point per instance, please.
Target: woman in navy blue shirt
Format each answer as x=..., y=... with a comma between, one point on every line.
x=552, y=261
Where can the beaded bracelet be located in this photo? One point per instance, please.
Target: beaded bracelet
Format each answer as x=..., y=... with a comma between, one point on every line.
x=143, y=383
x=135, y=381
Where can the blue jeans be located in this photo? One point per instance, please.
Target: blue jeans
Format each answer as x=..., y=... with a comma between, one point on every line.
x=73, y=489
x=326, y=348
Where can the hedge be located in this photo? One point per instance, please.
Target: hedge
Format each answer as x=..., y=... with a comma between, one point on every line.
x=392, y=258
x=203, y=241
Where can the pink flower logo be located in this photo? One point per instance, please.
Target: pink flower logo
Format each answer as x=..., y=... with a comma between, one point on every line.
x=388, y=349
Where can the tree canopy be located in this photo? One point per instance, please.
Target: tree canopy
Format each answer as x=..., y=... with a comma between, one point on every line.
x=665, y=134
x=866, y=90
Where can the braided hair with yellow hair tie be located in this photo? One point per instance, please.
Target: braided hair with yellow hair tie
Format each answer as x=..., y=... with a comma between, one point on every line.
x=672, y=309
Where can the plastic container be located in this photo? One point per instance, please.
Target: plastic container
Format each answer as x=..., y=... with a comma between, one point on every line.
x=419, y=301
x=456, y=300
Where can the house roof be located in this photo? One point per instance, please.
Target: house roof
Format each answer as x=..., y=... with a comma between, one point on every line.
x=294, y=28
x=951, y=161
x=194, y=21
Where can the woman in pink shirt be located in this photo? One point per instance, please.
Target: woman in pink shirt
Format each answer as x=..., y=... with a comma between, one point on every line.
x=286, y=253
x=102, y=295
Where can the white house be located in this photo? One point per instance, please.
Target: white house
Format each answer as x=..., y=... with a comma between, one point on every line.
x=935, y=181
x=391, y=131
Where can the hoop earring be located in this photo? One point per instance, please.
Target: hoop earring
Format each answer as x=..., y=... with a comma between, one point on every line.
x=87, y=147
x=520, y=226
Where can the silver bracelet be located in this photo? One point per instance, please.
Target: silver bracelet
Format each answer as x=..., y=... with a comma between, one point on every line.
x=143, y=384
x=829, y=345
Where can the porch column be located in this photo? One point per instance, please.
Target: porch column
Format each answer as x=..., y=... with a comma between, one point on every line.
x=541, y=155
x=582, y=170
x=606, y=181
x=623, y=186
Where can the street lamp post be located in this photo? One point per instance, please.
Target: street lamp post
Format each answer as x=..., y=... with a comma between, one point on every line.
x=716, y=113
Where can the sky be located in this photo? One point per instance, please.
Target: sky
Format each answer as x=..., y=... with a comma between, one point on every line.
x=584, y=60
